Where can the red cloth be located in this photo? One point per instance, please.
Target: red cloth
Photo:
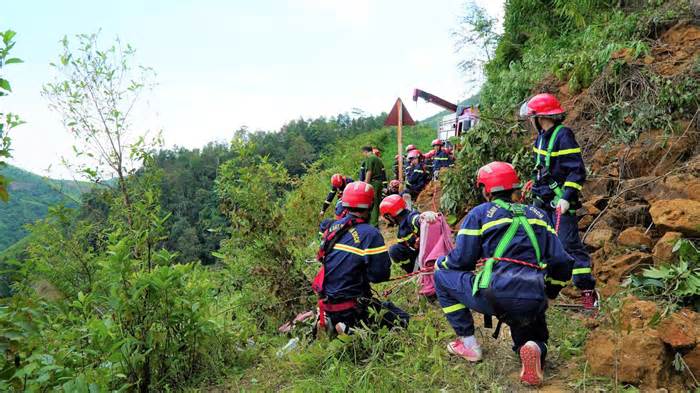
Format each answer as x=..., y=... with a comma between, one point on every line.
x=435, y=241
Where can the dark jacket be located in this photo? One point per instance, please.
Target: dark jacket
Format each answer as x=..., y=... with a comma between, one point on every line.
x=566, y=166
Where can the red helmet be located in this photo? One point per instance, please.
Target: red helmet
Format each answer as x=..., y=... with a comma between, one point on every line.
x=415, y=153
x=497, y=176
x=376, y=152
x=392, y=205
x=437, y=142
x=338, y=180
x=394, y=183
x=410, y=147
x=359, y=195
x=544, y=105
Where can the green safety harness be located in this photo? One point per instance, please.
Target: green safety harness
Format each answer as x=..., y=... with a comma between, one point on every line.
x=553, y=185
x=482, y=280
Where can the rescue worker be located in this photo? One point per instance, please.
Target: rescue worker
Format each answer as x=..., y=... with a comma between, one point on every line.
x=441, y=158
x=338, y=183
x=524, y=264
x=417, y=177
x=393, y=189
x=559, y=175
x=353, y=255
x=395, y=210
x=374, y=175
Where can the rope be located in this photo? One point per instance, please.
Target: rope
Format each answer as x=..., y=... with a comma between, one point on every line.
x=481, y=261
x=407, y=278
x=556, y=226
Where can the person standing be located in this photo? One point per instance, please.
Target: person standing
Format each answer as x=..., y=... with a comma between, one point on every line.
x=374, y=175
x=559, y=175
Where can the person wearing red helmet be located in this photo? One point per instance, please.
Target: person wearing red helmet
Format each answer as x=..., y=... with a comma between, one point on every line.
x=441, y=158
x=353, y=255
x=395, y=210
x=393, y=189
x=338, y=183
x=559, y=175
x=417, y=177
x=507, y=262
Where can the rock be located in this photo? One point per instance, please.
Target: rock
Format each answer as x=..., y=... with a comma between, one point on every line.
x=612, y=272
x=628, y=215
x=678, y=215
x=634, y=237
x=584, y=222
x=636, y=314
x=663, y=250
x=692, y=359
x=638, y=358
x=678, y=330
x=598, y=236
x=591, y=209
x=684, y=184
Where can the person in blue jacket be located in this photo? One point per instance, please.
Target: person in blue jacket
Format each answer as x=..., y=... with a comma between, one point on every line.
x=441, y=158
x=507, y=262
x=353, y=255
x=559, y=175
x=417, y=177
x=338, y=183
x=394, y=209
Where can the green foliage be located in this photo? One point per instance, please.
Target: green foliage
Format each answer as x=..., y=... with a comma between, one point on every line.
x=8, y=121
x=674, y=284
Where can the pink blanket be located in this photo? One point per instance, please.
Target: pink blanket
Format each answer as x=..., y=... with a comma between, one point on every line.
x=435, y=241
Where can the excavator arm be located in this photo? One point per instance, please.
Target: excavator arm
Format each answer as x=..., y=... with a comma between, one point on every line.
x=434, y=99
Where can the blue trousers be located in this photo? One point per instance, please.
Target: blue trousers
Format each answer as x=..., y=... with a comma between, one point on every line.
x=568, y=235
x=403, y=255
x=525, y=317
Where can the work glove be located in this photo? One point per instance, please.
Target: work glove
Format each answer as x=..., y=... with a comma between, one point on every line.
x=429, y=217
x=320, y=214
x=563, y=206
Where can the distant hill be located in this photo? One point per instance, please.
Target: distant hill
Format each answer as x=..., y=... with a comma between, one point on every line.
x=30, y=197
x=435, y=119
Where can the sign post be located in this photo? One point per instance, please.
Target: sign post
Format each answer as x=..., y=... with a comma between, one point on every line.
x=399, y=116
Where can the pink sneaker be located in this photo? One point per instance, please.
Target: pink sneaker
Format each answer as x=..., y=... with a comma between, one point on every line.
x=471, y=353
x=589, y=299
x=531, y=372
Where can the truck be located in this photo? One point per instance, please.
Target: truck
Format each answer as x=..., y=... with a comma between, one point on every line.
x=461, y=120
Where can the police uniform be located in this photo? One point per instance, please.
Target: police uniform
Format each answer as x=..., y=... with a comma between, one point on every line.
x=515, y=291
x=560, y=174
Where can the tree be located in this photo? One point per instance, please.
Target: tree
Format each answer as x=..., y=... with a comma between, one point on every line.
x=476, y=38
x=95, y=92
x=8, y=121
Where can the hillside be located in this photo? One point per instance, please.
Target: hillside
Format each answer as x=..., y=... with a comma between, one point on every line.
x=30, y=197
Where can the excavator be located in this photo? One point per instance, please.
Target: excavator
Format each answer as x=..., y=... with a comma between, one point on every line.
x=453, y=125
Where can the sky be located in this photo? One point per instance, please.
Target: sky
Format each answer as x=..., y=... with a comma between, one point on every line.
x=224, y=64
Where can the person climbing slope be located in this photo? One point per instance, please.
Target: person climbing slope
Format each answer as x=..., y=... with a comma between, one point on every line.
x=338, y=183
x=394, y=209
x=507, y=262
x=441, y=158
x=374, y=175
x=559, y=175
x=417, y=176
x=353, y=255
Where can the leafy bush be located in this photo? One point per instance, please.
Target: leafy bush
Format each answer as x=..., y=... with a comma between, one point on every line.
x=675, y=284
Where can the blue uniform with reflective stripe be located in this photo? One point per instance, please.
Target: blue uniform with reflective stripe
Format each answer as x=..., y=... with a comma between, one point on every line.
x=441, y=159
x=359, y=258
x=518, y=291
x=406, y=250
x=566, y=165
x=417, y=177
x=478, y=237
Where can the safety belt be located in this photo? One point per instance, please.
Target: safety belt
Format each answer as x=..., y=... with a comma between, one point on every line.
x=482, y=280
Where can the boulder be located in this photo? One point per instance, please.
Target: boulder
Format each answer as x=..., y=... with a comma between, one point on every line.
x=636, y=314
x=634, y=237
x=599, y=236
x=611, y=272
x=685, y=184
x=678, y=215
x=584, y=222
x=679, y=330
x=638, y=357
x=663, y=250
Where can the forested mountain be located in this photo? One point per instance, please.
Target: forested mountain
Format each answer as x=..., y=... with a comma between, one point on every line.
x=30, y=197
